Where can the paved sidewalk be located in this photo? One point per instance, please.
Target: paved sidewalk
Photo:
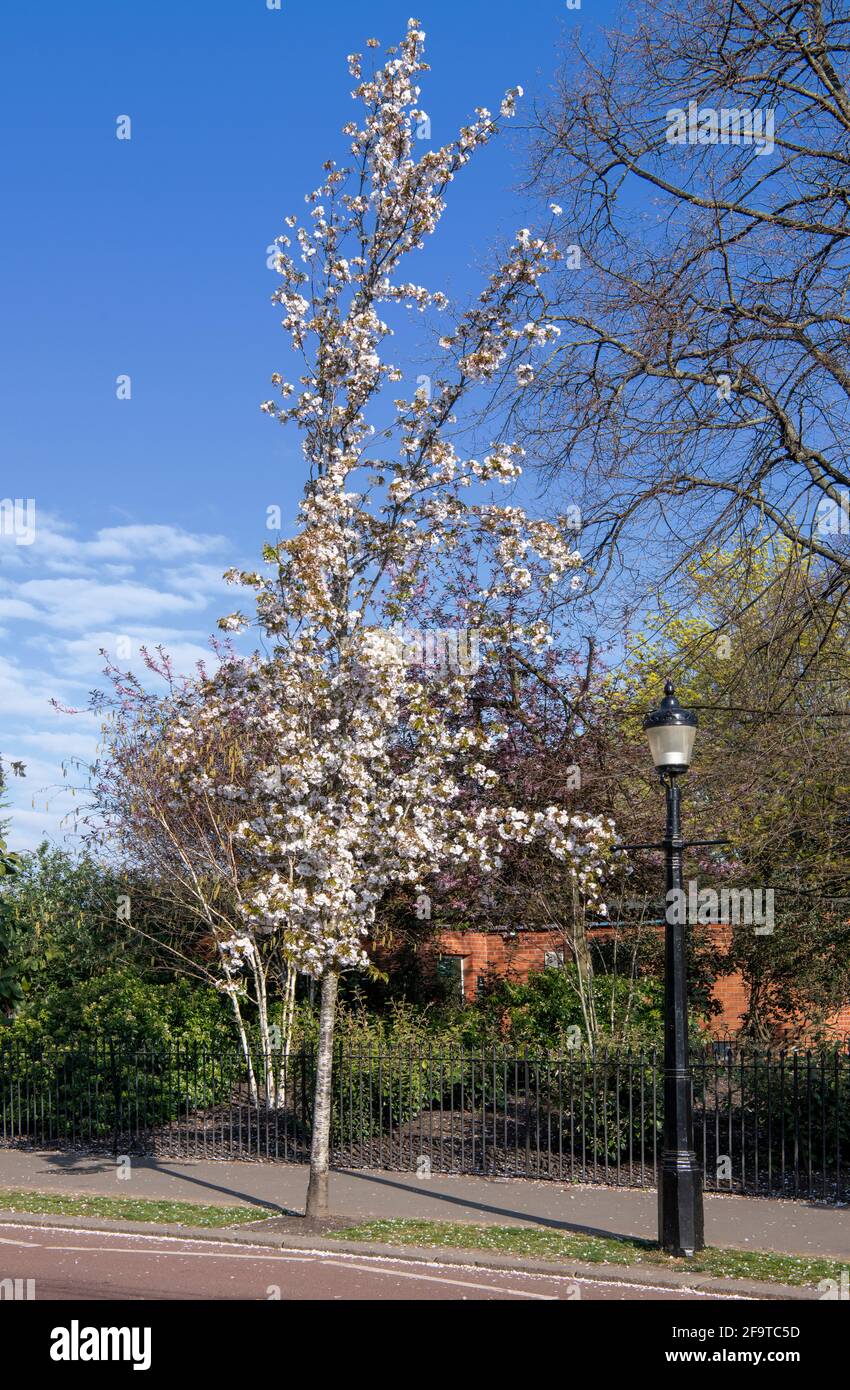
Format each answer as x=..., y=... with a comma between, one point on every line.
x=797, y=1228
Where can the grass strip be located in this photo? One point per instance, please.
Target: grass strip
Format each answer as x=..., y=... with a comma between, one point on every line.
x=132, y=1209
x=546, y=1244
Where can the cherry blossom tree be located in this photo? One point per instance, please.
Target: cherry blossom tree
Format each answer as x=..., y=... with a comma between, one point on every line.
x=356, y=772
x=371, y=754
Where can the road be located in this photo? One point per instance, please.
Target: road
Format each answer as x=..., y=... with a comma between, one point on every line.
x=82, y=1265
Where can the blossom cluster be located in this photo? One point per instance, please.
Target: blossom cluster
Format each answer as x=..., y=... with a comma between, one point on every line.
x=359, y=771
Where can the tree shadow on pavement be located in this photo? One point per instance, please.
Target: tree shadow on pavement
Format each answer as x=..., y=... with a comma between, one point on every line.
x=71, y=1163
x=525, y=1217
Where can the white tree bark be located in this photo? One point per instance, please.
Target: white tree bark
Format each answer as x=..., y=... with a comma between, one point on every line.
x=246, y=1051
x=287, y=1023
x=269, y=1080
x=317, y=1191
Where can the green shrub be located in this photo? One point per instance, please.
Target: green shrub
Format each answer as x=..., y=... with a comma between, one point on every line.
x=122, y=1006
x=544, y=1011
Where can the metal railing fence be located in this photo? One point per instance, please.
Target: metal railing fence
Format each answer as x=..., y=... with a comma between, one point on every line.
x=765, y=1122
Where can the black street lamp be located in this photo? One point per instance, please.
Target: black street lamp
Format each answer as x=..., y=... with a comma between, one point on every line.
x=671, y=731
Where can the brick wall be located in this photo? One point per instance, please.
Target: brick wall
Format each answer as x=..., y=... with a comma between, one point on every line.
x=516, y=953
x=521, y=952
x=731, y=993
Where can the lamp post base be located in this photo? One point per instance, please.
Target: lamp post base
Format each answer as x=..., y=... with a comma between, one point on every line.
x=680, y=1210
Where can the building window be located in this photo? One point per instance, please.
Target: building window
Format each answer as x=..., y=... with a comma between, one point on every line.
x=451, y=970
x=553, y=960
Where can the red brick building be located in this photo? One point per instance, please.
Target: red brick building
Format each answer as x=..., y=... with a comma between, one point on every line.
x=470, y=956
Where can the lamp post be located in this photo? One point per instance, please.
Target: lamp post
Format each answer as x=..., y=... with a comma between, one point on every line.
x=671, y=731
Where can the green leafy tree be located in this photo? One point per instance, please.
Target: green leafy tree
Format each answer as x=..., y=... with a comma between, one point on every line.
x=76, y=972
x=766, y=668
x=10, y=987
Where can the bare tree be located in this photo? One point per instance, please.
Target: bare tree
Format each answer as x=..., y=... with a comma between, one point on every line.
x=698, y=162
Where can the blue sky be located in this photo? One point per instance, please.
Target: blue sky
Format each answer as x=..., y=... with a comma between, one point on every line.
x=147, y=258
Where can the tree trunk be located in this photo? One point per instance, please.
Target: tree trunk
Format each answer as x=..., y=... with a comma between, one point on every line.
x=269, y=1084
x=246, y=1051
x=287, y=1022
x=317, y=1192
x=584, y=970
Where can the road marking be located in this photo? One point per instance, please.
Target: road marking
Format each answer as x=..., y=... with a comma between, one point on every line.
x=341, y=1258
x=374, y=1267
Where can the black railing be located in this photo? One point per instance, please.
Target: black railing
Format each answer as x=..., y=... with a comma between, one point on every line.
x=765, y=1122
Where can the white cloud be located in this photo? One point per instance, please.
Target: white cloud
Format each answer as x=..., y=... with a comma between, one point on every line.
x=56, y=550
x=76, y=603
x=208, y=578
x=80, y=655
x=159, y=543
x=67, y=743
x=16, y=608
x=25, y=693
x=63, y=600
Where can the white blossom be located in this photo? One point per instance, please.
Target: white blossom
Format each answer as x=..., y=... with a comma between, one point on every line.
x=357, y=761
